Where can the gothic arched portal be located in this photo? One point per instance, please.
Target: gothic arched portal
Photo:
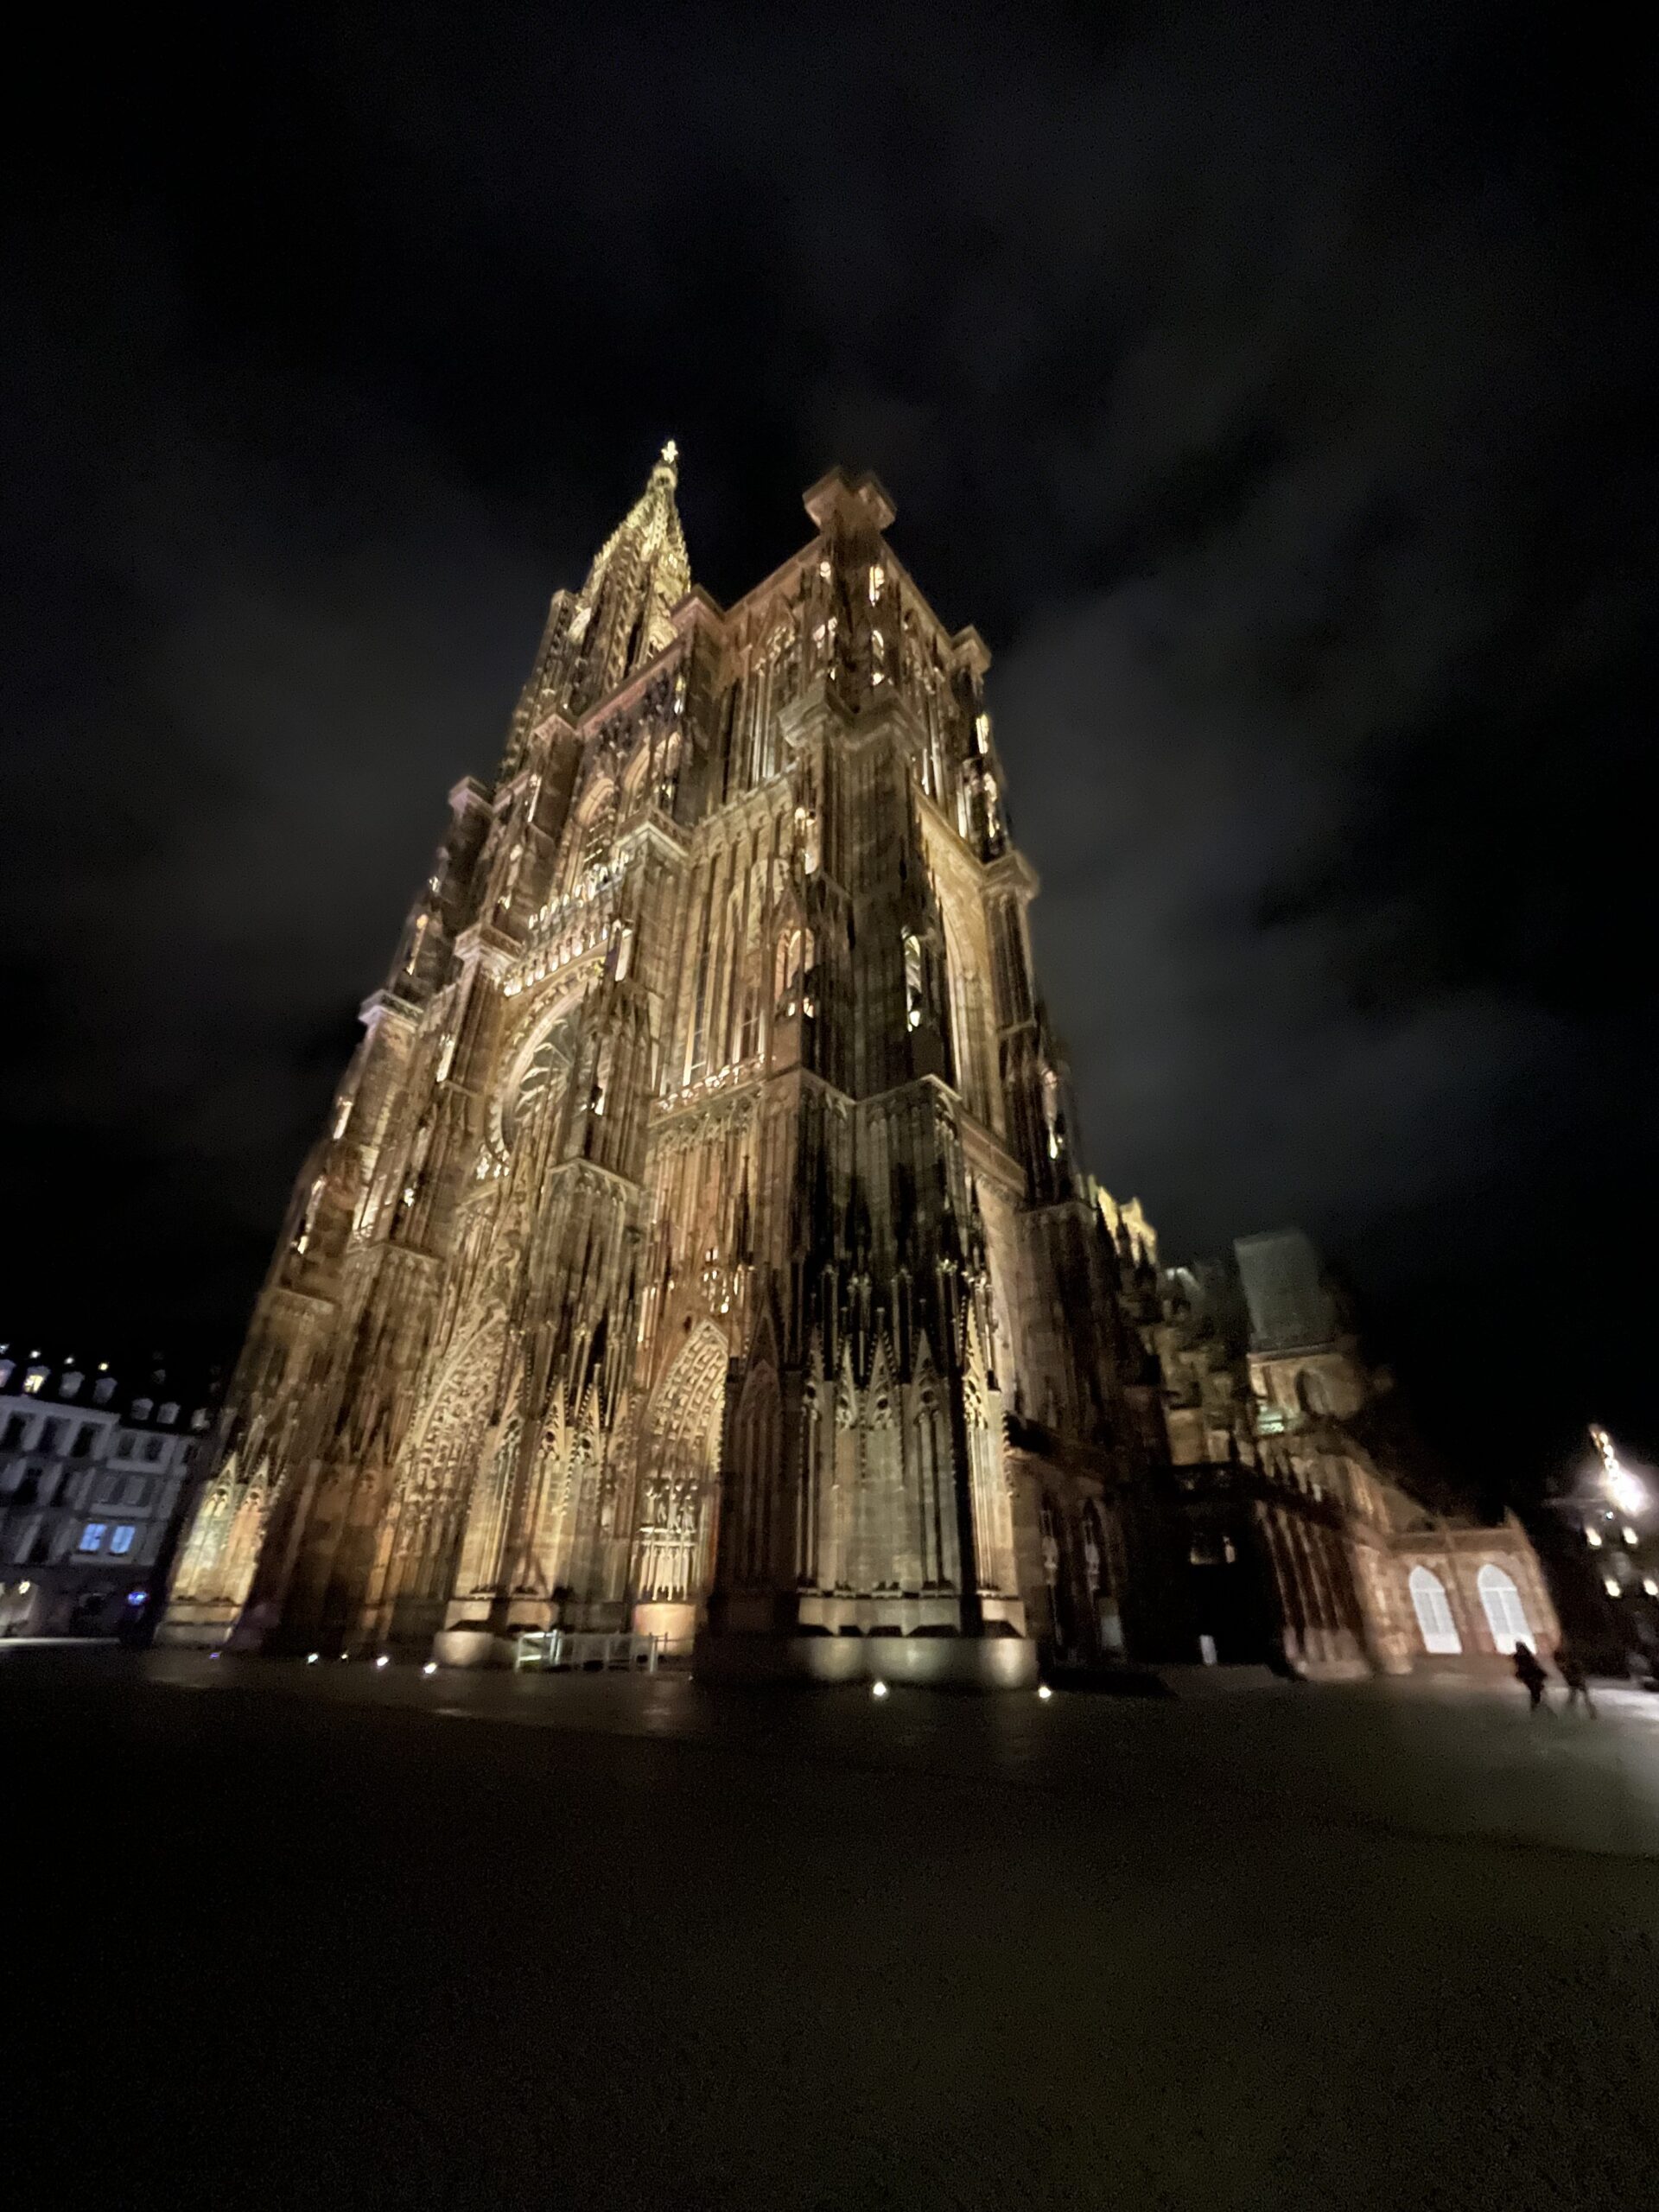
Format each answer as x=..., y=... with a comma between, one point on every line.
x=679, y=1488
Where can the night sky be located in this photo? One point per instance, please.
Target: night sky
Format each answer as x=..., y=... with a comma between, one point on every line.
x=1269, y=384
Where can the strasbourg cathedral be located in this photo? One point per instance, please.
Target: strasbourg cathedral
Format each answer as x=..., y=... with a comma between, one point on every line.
x=697, y=1248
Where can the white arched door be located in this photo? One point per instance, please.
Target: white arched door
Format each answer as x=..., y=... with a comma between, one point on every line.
x=1505, y=1615
x=1439, y=1631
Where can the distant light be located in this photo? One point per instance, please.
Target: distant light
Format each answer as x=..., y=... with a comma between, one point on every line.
x=1609, y=1586
x=25, y=1587
x=383, y=1660
x=1044, y=1692
x=1629, y=1534
x=1647, y=1584
x=213, y=1655
x=136, y=1597
x=878, y=1689
x=1619, y=1483
x=344, y=1656
x=312, y=1658
x=430, y=1668
x=1592, y=1537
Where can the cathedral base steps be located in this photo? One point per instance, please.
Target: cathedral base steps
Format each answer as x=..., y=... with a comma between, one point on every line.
x=957, y=1662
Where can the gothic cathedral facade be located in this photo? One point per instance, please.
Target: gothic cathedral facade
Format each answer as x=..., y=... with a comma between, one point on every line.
x=696, y=1224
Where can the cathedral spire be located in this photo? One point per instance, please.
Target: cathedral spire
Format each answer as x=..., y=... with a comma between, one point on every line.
x=647, y=547
x=597, y=637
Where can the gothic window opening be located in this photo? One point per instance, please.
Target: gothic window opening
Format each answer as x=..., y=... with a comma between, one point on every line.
x=309, y=1220
x=1428, y=1599
x=1054, y=1129
x=1506, y=1616
x=544, y=1080
x=965, y=1057
x=594, y=828
x=604, y=1068
x=915, y=992
x=795, y=955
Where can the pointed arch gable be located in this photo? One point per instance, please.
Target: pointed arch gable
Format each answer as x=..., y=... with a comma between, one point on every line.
x=701, y=1361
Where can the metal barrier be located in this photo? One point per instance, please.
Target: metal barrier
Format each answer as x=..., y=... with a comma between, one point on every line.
x=547, y=1650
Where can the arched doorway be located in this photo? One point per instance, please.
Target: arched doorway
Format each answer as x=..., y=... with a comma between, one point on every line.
x=438, y=1542
x=1056, y=1575
x=1102, y=1583
x=679, y=1469
x=1439, y=1631
x=1506, y=1616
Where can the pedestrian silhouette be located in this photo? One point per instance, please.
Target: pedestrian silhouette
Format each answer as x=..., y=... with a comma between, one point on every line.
x=1531, y=1673
x=1570, y=1668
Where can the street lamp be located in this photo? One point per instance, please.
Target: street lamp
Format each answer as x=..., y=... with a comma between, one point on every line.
x=1618, y=1482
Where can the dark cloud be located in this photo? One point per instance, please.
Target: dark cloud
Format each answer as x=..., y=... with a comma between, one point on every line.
x=1268, y=384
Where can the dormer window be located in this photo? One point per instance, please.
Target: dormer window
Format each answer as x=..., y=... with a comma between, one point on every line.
x=142, y=1408
x=34, y=1380
x=169, y=1414
x=69, y=1384
x=103, y=1389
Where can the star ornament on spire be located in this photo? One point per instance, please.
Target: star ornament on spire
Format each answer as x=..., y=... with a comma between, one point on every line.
x=670, y=455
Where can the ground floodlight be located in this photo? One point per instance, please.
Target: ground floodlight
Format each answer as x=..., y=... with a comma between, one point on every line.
x=878, y=1689
x=1043, y=1691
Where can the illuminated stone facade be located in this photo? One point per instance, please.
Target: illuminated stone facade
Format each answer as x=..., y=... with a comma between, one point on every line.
x=699, y=1200
x=695, y=1246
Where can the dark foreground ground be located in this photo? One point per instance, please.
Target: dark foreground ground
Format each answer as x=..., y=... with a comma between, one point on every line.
x=287, y=1937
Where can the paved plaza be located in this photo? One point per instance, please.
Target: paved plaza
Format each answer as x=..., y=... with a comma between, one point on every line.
x=468, y=1942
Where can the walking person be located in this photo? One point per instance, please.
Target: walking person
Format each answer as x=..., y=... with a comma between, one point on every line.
x=1530, y=1675
x=1570, y=1668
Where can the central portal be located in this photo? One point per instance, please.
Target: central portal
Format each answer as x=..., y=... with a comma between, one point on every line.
x=679, y=1490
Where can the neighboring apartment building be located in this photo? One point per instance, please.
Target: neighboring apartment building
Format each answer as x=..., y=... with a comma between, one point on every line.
x=95, y=1475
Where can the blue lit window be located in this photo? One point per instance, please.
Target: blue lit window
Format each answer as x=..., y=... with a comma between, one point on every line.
x=121, y=1540
x=91, y=1536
